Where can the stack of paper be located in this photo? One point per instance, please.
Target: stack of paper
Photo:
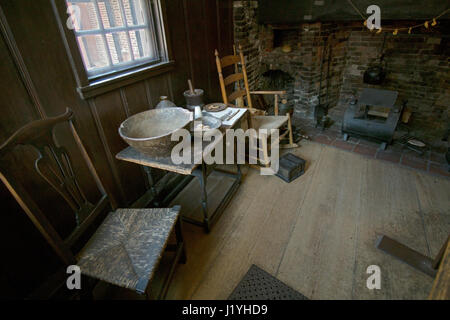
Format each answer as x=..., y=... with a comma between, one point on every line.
x=229, y=116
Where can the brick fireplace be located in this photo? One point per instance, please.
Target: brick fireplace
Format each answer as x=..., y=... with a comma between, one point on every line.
x=417, y=66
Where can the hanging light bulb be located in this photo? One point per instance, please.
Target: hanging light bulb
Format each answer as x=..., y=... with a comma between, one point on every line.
x=409, y=31
x=434, y=22
x=395, y=32
x=426, y=24
x=365, y=23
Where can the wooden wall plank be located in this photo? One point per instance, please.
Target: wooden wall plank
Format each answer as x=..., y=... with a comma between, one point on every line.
x=226, y=26
x=15, y=103
x=21, y=67
x=16, y=230
x=52, y=77
x=110, y=112
x=136, y=97
x=180, y=48
x=203, y=27
x=211, y=29
x=195, y=11
x=158, y=87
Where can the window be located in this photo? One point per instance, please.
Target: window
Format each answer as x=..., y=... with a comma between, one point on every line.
x=114, y=35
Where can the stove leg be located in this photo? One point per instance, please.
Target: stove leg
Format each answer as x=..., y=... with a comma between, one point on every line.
x=383, y=146
x=345, y=136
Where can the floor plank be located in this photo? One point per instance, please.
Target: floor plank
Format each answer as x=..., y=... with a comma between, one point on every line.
x=434, y=199
x=261, y=236
x=390, y=207
x=319, y=257
x=277, y=229
x=216, y=285
x=203, y=248
x=318, y=233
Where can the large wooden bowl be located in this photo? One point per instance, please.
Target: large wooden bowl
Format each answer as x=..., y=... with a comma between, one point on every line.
x=150, y=131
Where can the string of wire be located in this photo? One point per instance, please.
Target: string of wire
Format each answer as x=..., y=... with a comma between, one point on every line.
x=433, y=20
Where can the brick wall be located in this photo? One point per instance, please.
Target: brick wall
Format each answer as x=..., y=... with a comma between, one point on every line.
x=417, y=65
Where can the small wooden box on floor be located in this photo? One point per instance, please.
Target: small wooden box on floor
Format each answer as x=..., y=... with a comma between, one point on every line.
x=291, y=167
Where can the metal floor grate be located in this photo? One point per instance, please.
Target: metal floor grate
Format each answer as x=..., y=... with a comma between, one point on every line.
x=257, y=284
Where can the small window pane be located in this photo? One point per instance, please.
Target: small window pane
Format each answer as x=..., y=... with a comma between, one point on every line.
x=112, y=16
x=114, y=48
x=137, y=44
x=93, y=52
x=124, y=46
x=136, y=12
x=84, y=15
x=147, y=44
x=104, y=17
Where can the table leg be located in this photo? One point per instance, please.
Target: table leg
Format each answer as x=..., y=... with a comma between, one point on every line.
x=249, y=120
x=239, y=173
x=148, y=172
x=203, y=179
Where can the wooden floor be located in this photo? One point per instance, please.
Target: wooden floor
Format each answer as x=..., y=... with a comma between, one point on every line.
x=317, y=234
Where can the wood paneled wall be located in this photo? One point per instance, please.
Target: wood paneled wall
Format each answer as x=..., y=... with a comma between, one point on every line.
x=37, y=82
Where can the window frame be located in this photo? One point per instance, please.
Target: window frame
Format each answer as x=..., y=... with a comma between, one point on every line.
x=89, y=86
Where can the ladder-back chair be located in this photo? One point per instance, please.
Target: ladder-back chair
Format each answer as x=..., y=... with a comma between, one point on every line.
x=237, y=83
x=125, y=250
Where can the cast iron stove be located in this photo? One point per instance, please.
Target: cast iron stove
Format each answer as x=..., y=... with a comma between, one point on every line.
x=374, y=116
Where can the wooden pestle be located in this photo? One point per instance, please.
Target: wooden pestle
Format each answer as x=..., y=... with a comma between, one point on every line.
x=191, y=87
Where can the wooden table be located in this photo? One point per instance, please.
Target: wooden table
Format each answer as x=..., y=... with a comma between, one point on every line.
x=192, y=170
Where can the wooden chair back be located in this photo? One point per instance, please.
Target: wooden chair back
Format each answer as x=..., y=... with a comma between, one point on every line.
x=54, y=165
x=237, y=80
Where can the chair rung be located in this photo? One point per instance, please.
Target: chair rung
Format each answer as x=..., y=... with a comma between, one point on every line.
x=233, y=78
x=229, y=60
x=268, y=92
x=284, y=134
x=236, y=94
x=257, y=159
